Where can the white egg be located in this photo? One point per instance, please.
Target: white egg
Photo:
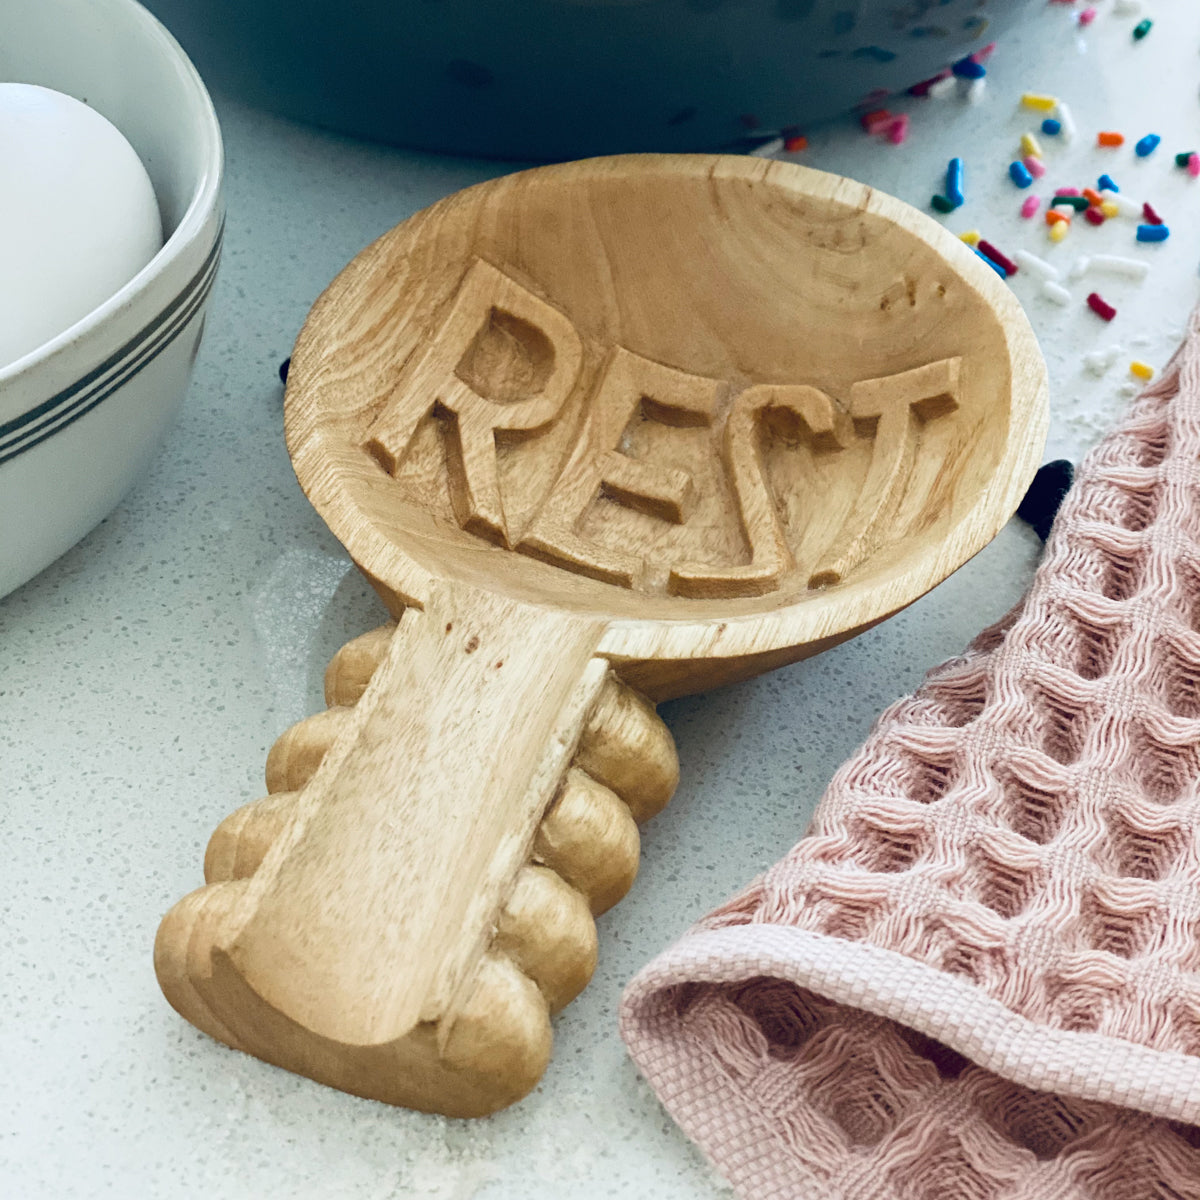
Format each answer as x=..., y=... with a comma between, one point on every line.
x=78, y=217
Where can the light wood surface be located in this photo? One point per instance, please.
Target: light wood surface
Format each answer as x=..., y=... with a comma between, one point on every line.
x=599, y=434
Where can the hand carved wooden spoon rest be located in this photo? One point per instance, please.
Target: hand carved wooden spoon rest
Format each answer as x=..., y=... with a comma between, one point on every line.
x=600, y=434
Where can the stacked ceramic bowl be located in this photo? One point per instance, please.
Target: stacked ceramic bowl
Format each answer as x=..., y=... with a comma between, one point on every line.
x=83, y=412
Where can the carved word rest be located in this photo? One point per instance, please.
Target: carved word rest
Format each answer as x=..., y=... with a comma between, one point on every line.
x=437, y=380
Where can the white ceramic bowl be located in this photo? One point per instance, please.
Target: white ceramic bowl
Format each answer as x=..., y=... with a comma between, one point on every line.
x=82, y=416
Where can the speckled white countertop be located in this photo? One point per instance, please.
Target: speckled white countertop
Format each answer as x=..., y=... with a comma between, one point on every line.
x=144, y=676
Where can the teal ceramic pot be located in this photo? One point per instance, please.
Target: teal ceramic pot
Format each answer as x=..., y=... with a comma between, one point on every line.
x=551, y=79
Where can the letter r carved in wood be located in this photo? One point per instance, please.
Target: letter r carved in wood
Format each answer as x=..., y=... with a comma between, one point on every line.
x=526, y=389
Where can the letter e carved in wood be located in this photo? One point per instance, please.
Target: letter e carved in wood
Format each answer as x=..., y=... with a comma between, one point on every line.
x=597, y=467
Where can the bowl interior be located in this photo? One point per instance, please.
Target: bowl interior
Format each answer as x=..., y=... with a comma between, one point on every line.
x=115, y=57
x=738, y=273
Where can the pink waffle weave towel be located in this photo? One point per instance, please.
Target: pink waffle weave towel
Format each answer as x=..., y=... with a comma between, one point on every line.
x=978, y=976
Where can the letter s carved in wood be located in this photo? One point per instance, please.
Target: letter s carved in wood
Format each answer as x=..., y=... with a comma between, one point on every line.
x=811, y=414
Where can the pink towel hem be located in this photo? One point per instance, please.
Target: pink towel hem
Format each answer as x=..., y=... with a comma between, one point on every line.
x=693, y=1084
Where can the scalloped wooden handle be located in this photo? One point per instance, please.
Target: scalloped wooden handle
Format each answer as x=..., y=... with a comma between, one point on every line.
x=403, y=911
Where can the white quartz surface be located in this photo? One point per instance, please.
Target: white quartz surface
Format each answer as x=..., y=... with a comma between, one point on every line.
x=144, y=676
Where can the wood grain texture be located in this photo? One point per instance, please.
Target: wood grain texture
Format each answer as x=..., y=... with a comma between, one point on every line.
x=599, y=434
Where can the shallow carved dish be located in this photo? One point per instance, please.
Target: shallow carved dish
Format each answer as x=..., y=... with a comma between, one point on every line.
x=600, y=434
